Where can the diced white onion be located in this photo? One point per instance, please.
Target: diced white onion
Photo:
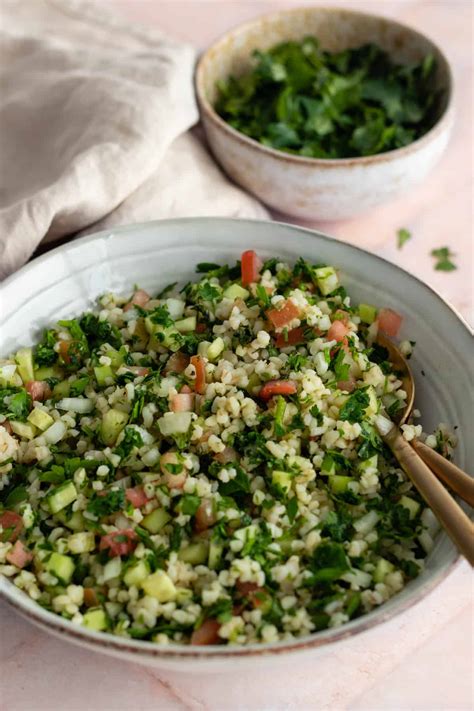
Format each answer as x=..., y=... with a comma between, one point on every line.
x=55, y=433
x=175, y=307
x=76, y=404
x=175, y=423
x=366, y=523
x=383, y=424
x=112, y=569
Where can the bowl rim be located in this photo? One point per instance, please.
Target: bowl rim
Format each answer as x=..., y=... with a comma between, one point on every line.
x=208, y=111
x=113, y=644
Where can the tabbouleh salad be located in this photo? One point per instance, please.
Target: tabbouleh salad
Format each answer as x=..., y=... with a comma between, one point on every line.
x=204, y=466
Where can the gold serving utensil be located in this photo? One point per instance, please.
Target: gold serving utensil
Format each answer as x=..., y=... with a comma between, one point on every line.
x=419, y=462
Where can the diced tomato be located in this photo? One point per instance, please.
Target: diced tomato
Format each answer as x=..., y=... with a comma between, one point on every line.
x=138, y=370
x=250, y=267
x=139, y=298
x=347, y=385
x=71, y=352
x=208, y=633
x=291, y=338
x=12, y=524
x=176, y=363
x=119, y=542
x=136, y=496
x=200, y=381
x=283, y=316
x=205, y=516
x=277, y=387
x=201, y=327
x=389, y=322
x=246, y=589
x=38, y=389
x=185, y=390
x=337, y=332
x=90, y=597
x=227, y=455
x=19, y=555
x=182, y=402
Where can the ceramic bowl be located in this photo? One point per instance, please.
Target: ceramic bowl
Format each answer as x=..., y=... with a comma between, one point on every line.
x=314, y=188
x=66, y=281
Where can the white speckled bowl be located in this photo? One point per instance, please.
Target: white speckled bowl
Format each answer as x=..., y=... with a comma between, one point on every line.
x=66, y=281
x=310, y=187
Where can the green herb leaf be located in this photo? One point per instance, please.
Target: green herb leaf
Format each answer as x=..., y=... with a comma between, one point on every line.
x=403, y=236
x=443, y=259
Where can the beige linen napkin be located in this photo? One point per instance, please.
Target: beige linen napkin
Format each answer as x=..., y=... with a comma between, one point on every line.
x=94, y=128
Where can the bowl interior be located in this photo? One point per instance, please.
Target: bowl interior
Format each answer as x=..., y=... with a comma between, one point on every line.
x=336, y=29
x=67, y=280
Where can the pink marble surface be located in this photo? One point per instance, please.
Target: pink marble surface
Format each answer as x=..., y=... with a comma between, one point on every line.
x=420, y=661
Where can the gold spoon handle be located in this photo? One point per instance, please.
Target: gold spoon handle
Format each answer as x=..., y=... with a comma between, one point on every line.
x=455, y=478
x=453, y=519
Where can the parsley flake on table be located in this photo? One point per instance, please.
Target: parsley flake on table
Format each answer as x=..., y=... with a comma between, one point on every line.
x=403, y=236
x=443, y=259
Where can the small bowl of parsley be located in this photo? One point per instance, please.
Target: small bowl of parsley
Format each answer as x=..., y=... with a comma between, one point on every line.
x=324, y=113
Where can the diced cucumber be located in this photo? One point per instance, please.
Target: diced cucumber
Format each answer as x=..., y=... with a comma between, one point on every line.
x=75, y=521
x=367, y=313
x=40, y=419
x=216, y=549
x=81, y=542
x=104, y=375
x=24, y=359
x=175, y=423
x=62, y=496
x=61, y=389
x=95, y=620
x=156, y=520
x=383, y=568
x=327, y=279
x=23, y=429
x=216, y=348
x=61, y=566
x=136, y=574
x=140, y=335
x=159, y=585
x=369, y=464
x=235, y=291
x=339, y=483
x=194, y=553
x=45, y=372
x=113, y=422
x=203, y=347
x=373, y=406
x=186, y=325
x=410, y=504
x=162, y=336
x=116, y=357
x=254, y=383
x=282, y=480
x=328, y=465
x=183, y=595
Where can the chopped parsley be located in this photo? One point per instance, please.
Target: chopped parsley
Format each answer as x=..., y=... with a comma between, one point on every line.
x=443, y=256
x=403, y=235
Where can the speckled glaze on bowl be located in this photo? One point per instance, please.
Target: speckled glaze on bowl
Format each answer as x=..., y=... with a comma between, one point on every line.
x=311, y=187
x=66, y=281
